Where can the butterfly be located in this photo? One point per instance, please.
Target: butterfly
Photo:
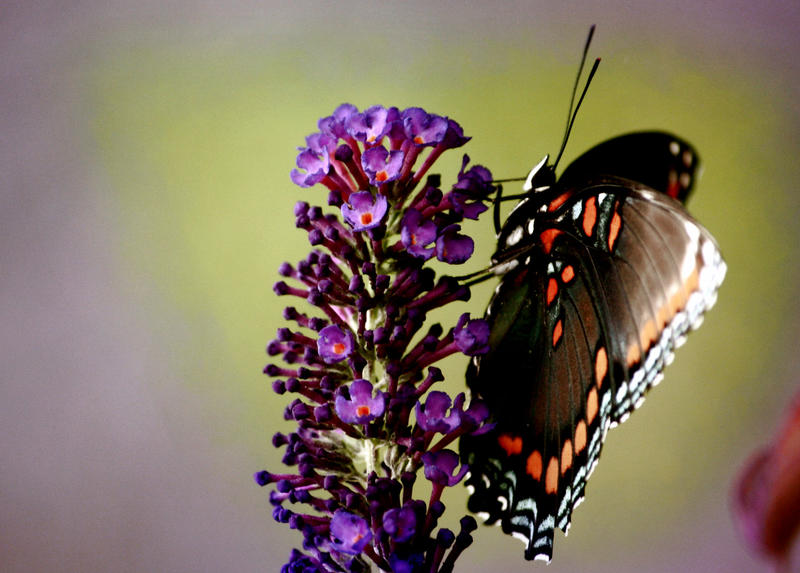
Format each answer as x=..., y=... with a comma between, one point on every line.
x=604, y=274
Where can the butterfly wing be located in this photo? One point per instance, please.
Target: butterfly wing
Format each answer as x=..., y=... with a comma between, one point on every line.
x=581, y=327
x=656, y=159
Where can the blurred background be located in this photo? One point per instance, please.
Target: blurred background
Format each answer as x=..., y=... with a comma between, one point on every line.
x=145, y=150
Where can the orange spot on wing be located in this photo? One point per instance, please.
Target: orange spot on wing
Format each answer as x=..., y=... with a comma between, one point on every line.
x=580, y=437
x=566, y=457
x=634, y=354
x=677, y=302
x=552, y=290
x=533, y=466
x=600, y=366
x=648, y=334
x=613, y=230
x=558, y=201
x=591, y=405
x=663, y=316
x=547, y=237
x=511, y=444
x=557, y=332
x=589, y=216
x=567, y=274
x=551, y=478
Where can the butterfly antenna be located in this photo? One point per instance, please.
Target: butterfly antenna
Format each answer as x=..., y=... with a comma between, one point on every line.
x=573, y=111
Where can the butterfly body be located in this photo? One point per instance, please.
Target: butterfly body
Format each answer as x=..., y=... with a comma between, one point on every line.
x=604, y=272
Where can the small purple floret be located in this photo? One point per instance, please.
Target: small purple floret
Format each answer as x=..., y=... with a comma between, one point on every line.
x=370, y=126
x=423, y=128
x=349, y=533
x=472, y=336
x=407, y=564
x=314, y=159
x=336, y=124
x=364, y=211
x=334, y=344
x=400, y=523
x=432, y=417
x=362, y=407
x=453, y=247
x=439, y=467
x=454, y=136
x=416, y=234
x=381, y=165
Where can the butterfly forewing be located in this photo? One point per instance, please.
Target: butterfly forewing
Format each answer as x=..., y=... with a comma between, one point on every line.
x=601, y=289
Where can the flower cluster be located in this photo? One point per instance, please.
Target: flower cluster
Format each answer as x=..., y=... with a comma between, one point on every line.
x=361, y=362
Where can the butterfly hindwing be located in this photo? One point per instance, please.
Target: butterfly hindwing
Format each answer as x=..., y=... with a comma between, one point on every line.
x=656, y=159
x=602, y=284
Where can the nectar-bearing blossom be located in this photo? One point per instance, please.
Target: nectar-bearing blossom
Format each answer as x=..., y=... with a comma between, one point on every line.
x=357, y=355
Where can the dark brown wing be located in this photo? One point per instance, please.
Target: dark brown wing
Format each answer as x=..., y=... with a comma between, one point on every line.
x=582, y=325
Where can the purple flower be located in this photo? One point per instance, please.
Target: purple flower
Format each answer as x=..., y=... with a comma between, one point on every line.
x=454, y=135
x=314, y=159
x=400, y=523
x=361, y=407
x=453, y=247
x=407, y=563
x=381, y=165
x=472, y=336
x=336, y=124
x=334, y=345
x=299, y=563
x=364, y=211
x=439, y=467
x=423, y=128
x=349, y=533
x=370, y=126
x=476, y=181
x=475, y=417
x=432, y=417
x=416, y=234
x=464, y=207
x=474, y=186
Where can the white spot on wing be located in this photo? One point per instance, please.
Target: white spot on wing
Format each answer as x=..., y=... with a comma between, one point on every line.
x=503, y=268
x=623, y=390
x=514, y=237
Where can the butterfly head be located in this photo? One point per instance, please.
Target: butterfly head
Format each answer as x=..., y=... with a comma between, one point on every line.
x=540, y=178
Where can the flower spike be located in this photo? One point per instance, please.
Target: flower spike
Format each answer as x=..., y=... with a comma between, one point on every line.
x=359, y=368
